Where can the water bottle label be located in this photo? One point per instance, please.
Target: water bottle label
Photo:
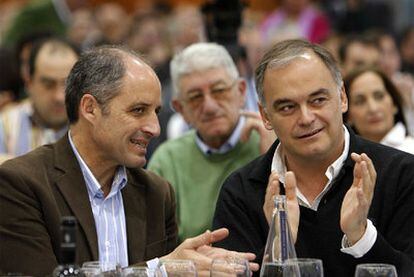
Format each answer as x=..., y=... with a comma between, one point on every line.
x=283, y=236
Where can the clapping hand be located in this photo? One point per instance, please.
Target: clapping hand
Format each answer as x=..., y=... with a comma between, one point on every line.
x=357, y=200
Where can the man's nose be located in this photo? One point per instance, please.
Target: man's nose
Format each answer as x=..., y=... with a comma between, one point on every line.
x=152, y=128
x=60, y=93
x=209, y=103
x=307, y=116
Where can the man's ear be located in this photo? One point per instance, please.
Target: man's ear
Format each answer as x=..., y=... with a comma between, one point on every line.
x=265, y=117
x=89, y=107
x=178, y=106
x=344, y=100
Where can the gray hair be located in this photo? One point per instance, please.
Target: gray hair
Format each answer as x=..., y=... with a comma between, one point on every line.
x=98, y=72
x=200, y=57
x=283, y=53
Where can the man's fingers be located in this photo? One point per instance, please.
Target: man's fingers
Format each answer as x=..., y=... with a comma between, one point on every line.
x=218, y=235
x=247, y=129
x=200, y=240
x=370, y=166
x=290, y=185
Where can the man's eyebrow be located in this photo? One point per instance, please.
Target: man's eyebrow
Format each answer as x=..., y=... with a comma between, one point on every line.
x=321, y=91
x=281, y=101
x=47, y=79
x=216, y=83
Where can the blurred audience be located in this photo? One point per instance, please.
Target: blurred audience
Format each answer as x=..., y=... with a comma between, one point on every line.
x=407, y=49
x=149, y=36
x=9, y=80
x=250, y=39
x=42, y=117
x=113, y=23
x=390, y=63
x=357, y=16
x=375, y=109
x=186, y=27
x=209, y=94
x=83, y=30
x=43, y=15
x=358, y=51
x=295, y=19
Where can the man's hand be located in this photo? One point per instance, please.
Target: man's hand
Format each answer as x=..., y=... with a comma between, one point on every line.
x=292, y=201
x=357, y=200
x=200, y=251
x=254, y=122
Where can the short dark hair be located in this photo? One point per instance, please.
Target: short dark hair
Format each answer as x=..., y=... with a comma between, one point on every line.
x=98, y=72
x=368, y=39
x=285, y=52
x=9, y=80
x=389, y=86
x=38, y=45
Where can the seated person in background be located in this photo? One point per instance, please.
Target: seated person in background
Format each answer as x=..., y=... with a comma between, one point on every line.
x=390, y=63
x=375, y=110
x=42, y=118
x=349, y=199
x=209, y=94
x=126, y=215
x=358, y=51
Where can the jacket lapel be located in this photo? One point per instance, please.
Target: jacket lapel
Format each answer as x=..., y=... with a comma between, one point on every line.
x=72, y=186
x=134, y=199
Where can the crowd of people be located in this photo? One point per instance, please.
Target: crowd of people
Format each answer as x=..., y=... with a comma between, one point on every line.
x=156, y=125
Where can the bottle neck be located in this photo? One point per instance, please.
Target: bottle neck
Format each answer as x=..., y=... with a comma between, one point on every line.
x=280, y=202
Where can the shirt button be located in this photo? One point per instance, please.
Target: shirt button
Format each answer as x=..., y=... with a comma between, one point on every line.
x=107, y=243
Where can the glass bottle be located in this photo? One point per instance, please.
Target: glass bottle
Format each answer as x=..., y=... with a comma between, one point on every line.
x=279, y=245
x=67, y=266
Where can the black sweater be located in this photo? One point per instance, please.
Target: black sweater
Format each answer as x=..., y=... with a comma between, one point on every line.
x=240, y=209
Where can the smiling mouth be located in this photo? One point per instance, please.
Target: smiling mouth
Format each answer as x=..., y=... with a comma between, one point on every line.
x=140, y=143
x=310, y=134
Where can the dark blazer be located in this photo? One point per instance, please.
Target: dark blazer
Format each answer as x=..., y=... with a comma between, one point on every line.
x=37, y=189
x=240, y=209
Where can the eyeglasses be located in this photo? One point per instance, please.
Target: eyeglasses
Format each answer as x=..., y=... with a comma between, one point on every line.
x=195, y=98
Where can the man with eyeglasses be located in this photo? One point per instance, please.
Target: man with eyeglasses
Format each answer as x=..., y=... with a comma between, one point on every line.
x=209, y=94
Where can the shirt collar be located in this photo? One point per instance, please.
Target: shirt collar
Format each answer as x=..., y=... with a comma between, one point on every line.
x=227, y=146
x=92, y=184
x=279, y=165
x=395, y=136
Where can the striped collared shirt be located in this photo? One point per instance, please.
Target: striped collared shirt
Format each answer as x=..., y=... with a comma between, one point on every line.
x=108, y=213
x=18, y=132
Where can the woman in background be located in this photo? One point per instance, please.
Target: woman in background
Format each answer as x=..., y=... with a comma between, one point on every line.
x=375, y=110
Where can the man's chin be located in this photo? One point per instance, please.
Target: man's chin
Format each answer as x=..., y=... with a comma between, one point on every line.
x=136, y=162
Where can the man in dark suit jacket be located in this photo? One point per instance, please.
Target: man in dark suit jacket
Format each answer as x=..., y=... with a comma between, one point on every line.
x=349, y=200
x=126, y=214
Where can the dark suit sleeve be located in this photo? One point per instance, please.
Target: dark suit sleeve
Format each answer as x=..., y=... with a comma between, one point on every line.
x=171, y=220
x=395, y=239
x=23, y=232
x=238, y=209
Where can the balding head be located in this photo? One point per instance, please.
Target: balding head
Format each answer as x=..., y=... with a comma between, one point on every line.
x=98, y=72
